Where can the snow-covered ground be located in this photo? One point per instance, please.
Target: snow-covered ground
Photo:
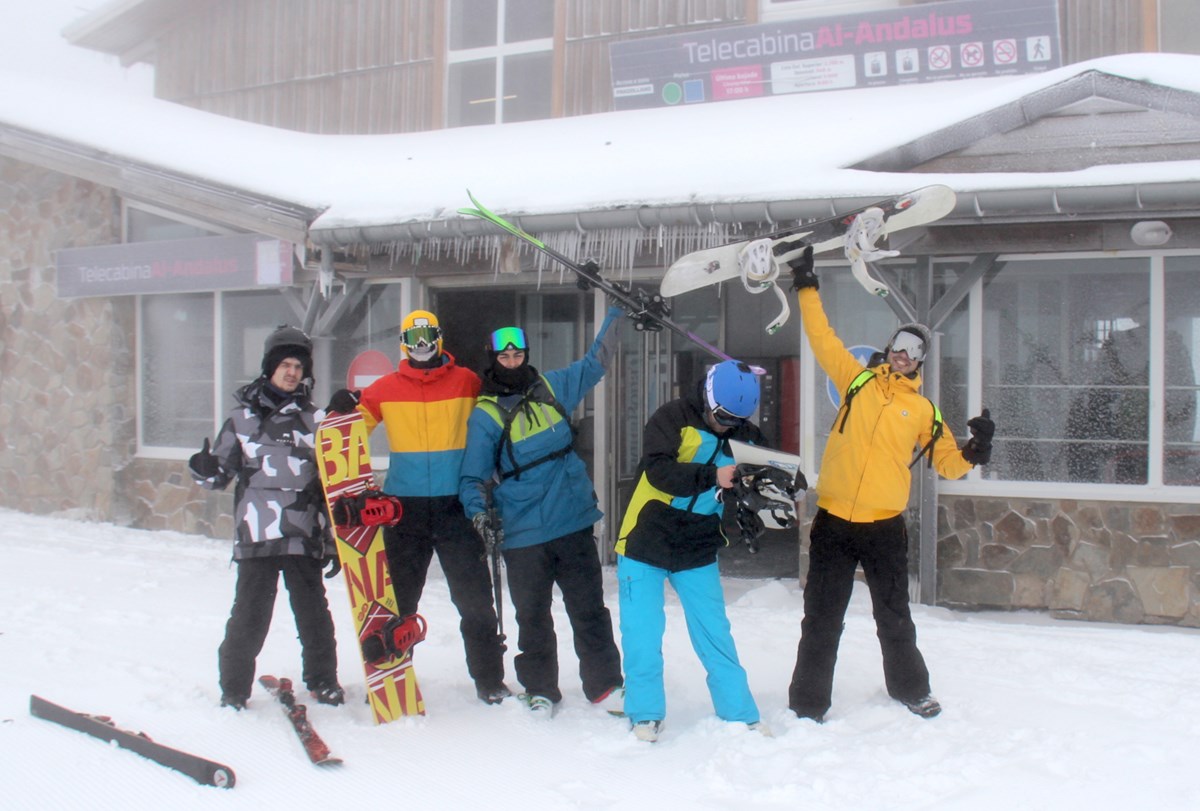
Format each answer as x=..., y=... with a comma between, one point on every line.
x=1039, y=714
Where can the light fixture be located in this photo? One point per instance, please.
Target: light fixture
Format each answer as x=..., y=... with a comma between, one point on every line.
x=1150, y=232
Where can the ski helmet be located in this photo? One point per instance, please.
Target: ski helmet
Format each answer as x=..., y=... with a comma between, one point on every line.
x=731, y=392
x=286, y=342
x=912, y=339
x=421, y=336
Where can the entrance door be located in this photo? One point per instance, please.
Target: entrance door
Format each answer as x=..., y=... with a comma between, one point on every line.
x=651, y=369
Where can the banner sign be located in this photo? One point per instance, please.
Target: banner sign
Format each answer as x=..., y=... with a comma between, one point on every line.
x=238, y=262
x=925, y=43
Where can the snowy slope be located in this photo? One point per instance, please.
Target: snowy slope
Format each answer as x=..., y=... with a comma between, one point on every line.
x=1039, y=713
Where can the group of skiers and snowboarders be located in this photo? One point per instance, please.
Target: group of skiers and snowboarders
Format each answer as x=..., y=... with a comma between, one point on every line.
x=479, y=460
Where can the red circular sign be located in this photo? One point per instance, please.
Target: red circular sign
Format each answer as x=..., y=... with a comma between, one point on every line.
x=367, y=367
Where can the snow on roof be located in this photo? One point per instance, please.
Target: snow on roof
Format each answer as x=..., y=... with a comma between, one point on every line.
x=773, y=148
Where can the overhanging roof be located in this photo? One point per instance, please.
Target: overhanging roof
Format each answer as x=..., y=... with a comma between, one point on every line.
x=679, y=177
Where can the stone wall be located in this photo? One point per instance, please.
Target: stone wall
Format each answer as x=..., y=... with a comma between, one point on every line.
x=1097, y=560
x=68, y=430
x=66, y=366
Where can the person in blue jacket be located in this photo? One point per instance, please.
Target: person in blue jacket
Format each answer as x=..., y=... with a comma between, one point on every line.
x=521, y=443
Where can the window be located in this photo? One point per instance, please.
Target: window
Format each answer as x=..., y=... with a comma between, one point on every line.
x=1089, y=366
x=500, y=61
x=185, y=391
x=1181, y=352
x=176, y=369
x=1179, y=26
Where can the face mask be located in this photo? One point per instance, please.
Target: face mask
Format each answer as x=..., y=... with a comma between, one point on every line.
x=421, y=353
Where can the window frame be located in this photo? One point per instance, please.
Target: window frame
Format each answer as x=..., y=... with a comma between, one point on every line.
x=976, y=483
x=496, y=54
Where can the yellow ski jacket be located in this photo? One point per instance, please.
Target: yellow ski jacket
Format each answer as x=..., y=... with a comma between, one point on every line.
x=865, y=473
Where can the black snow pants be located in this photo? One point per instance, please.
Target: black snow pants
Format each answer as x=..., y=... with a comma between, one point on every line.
x=836, y=548
x=439, y=525
x=572, y=563
x=250, y=619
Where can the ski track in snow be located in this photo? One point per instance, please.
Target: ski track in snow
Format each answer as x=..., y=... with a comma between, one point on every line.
x=1040, y=714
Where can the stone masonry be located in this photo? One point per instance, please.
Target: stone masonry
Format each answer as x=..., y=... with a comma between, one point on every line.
x=1096, y=560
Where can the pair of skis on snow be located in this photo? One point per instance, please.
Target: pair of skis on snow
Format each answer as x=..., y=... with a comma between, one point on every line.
x=204, y=771
x=756, y=261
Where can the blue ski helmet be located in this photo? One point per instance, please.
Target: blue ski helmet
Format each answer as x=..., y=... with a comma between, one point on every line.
x=731, y=391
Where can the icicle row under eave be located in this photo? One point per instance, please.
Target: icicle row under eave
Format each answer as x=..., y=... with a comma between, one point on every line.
x=616, y=250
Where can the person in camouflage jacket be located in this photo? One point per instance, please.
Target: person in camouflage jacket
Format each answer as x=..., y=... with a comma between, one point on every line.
x=267, y=446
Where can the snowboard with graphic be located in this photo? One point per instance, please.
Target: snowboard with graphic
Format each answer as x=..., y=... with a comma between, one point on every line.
x=344, y=464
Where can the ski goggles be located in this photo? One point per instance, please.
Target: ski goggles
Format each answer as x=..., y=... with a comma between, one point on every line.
x=910, y=345
x=417, y=336
x=726, y=418
x=509, y=338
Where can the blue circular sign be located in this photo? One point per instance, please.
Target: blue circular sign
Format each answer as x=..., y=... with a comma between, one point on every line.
x=863, y=353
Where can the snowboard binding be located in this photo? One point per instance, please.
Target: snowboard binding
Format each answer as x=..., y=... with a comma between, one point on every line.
x=395, y=639
x=865, y=230
x=765, y=495
x=759, y=273
x=370, y=508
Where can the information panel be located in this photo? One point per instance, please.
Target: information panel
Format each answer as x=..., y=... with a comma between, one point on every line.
x=925, y=43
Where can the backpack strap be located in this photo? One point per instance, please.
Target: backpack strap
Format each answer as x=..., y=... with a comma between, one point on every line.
x=539, y=393
x=865, y=376
x=857, y=383
x=935, y=433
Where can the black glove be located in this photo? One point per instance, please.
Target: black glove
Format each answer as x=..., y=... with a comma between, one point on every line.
x=803, y=274
x=370, y=508
x=203, y=463
x=334, y=564
x=343, y=401
x=487, y=531
x=978, y=450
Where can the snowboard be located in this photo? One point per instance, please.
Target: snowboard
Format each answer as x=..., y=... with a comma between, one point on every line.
x=202, y=770
x=712, y=265
x=344, y=464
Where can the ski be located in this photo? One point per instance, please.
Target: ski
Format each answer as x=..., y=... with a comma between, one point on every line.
x=203, y=771
x=711, y=265
x=649, y=313
x=297, y=713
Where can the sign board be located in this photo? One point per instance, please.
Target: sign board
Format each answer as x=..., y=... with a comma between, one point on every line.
x=366, y=368
x=239, y=262
x=930, y=42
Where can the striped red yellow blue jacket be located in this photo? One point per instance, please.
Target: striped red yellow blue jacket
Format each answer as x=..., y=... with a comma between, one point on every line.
x=424, y=412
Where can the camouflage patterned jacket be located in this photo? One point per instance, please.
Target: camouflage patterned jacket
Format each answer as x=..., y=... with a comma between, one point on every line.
x=268, y=449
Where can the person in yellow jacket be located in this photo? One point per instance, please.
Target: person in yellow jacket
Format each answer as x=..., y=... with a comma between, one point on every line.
x=862, y=492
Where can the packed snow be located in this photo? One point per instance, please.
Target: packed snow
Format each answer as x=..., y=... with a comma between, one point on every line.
x=1039, y=713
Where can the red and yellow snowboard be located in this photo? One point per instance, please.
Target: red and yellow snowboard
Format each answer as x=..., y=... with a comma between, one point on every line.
x=344, y=462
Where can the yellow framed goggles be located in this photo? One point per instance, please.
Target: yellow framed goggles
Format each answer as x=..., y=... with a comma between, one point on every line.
x=416, y=336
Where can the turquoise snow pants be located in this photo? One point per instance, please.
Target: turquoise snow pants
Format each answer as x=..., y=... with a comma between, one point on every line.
x=643, y=623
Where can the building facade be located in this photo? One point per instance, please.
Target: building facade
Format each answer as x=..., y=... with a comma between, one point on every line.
x=1070, y=312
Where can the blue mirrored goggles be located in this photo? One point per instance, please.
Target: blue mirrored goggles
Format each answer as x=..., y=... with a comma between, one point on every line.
x=416, y=336
x=509, y=338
